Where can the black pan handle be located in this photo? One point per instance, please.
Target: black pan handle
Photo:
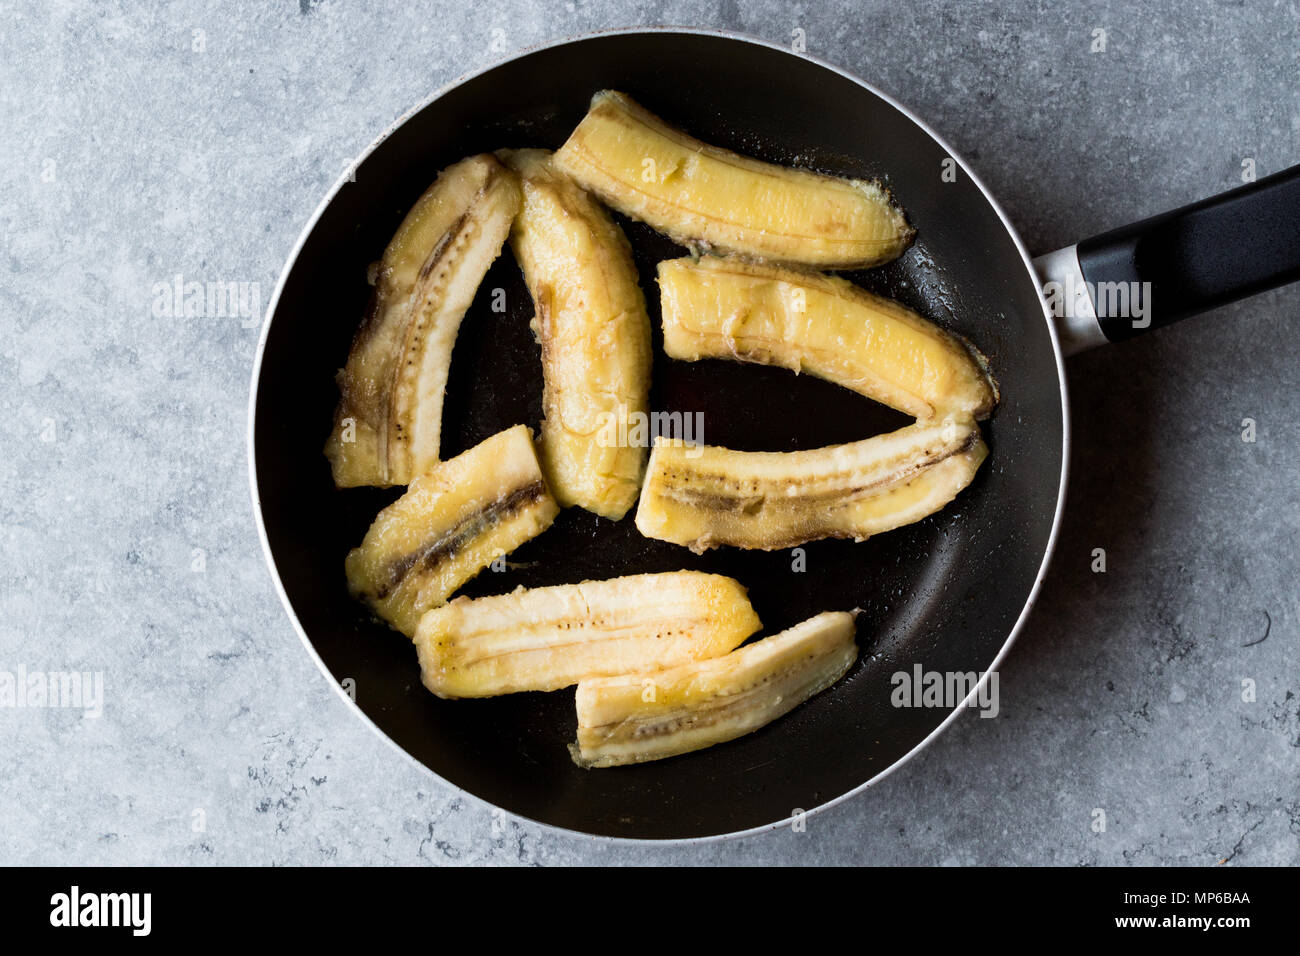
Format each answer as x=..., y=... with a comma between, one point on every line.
x=1155, y=272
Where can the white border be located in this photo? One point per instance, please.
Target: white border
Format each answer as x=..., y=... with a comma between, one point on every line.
x=1029, y=269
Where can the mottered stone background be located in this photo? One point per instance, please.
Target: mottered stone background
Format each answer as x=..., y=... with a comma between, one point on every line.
x=137, y=148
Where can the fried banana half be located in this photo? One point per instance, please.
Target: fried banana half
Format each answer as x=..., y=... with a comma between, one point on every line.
x=717, y=200
x=590, y=318
x=825, y=326
x=548, y=638
x=388, y=424
x=633, y=718
x=705, y=496
x=452, y=522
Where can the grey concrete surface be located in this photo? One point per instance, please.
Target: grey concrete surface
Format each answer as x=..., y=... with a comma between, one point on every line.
x=148, y=140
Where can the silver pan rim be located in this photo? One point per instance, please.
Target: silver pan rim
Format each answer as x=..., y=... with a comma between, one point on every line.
x=1026, y=261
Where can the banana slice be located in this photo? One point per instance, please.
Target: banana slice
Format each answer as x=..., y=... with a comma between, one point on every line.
x=548, y=638
x=633, y=718
x=389, y=419
x=453, y=521
x=715, y=199
x=824, y=325
x=590, y=317
x=702, y=497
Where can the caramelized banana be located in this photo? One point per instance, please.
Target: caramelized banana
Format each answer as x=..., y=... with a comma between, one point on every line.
x=590, y=318
x=703, y=497
x=388, y=423
x=823, y=325
x=637, y=717
x=714, y=199
x=548, y=638
x=453, y=521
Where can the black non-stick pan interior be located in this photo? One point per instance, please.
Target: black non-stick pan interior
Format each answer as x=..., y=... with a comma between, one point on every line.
x=943, y=593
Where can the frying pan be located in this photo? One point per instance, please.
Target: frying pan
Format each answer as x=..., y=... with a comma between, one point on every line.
x=949, y=593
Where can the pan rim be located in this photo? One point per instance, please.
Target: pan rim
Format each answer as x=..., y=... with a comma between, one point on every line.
x=329, y=197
